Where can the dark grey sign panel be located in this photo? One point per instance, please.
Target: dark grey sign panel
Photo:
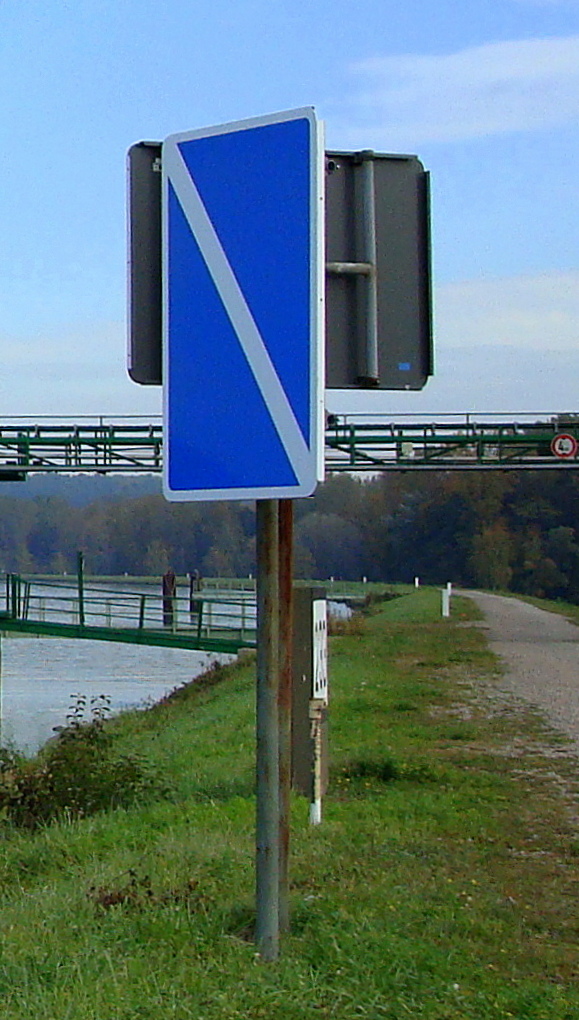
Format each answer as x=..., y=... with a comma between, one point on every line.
x=378, y=291
x=145, y=277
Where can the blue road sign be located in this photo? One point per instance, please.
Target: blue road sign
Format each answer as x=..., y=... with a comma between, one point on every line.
x=243, y=278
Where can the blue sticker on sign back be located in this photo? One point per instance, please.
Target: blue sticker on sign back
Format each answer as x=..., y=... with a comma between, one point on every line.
x=243, y=286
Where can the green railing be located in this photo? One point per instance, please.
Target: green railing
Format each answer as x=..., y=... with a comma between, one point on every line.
x=452, y=442
x=71, y=608
x=90, y=445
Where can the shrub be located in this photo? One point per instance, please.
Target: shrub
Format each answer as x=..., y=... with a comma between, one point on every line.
x=76, y=774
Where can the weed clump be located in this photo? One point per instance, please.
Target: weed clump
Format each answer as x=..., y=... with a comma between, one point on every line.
x=76, y=774
x=352, y=626
x=388, y=770
x=376, y=598
x=136, y=892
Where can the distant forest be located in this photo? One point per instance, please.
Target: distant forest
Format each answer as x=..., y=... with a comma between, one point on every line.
x=507, y=530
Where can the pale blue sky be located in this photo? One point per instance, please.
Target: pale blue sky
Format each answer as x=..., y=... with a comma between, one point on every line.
x=486, y=92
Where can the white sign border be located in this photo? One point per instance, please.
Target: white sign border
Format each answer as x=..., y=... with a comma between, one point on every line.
x=308, y=464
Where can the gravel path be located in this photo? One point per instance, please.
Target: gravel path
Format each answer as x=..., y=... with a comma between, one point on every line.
x=540, y=653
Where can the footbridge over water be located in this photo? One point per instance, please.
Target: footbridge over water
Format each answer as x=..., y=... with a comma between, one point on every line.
x=211, y=621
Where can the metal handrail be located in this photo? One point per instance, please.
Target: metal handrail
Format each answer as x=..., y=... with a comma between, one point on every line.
x=83, y=610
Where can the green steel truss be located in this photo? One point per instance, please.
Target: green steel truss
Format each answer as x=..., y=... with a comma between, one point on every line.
x=453, y=443
x=353, y=443
x=95, y=446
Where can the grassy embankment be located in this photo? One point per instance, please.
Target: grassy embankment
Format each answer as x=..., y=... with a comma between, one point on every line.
x=441, y=885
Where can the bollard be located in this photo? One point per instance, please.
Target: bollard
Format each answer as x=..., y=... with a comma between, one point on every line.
x=169, y=591
x=445, y=602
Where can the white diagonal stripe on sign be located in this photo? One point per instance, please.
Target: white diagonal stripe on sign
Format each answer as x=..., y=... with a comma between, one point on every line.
x=237, y=309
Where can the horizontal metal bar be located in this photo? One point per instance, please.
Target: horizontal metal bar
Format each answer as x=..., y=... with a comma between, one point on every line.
x=350, y=268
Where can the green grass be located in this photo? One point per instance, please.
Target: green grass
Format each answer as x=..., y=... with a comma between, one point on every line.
x=441, y=885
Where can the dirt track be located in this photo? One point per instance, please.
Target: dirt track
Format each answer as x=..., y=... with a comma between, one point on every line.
x=540, y=653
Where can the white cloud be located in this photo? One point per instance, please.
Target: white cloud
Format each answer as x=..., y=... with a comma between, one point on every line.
x=81, y=369
x=95, y=344
x=507, y=345
x=528, y=312
x=486, y=380
x=497, y=88
x=501, y=344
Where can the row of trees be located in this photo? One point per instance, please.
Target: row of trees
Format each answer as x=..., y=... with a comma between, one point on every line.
x=510, y=530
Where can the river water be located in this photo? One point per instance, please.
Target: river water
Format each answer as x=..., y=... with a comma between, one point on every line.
x=42, y=676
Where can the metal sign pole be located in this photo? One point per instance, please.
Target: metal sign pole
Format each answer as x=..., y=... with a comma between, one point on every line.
x=1, y=696
x=285, y=701
x=267, y=717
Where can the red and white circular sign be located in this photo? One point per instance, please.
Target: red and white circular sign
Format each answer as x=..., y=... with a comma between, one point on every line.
x=564, y=446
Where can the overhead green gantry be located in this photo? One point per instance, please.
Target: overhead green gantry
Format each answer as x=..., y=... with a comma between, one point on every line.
x=353, y=443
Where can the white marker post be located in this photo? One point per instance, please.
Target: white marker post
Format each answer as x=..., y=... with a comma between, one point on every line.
x=318, y=702
x=316, y=711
